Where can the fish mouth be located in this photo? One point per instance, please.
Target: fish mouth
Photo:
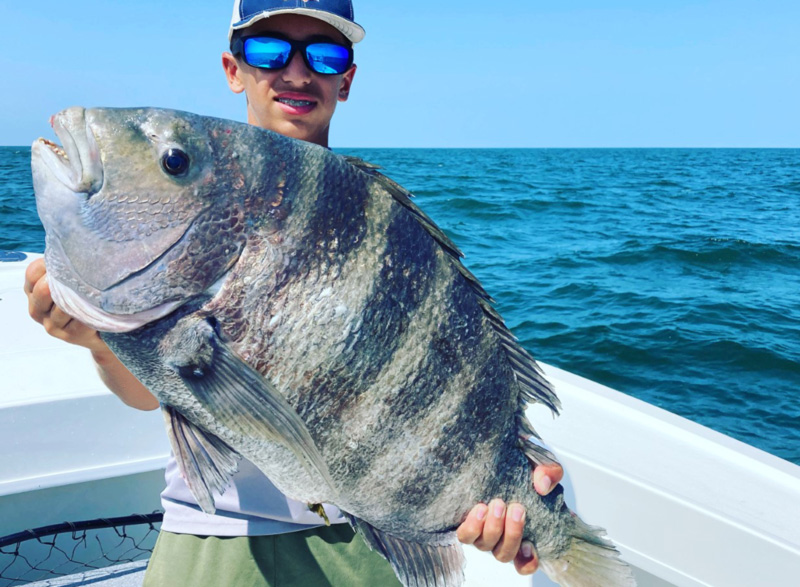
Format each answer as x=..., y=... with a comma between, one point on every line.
x=76, y=163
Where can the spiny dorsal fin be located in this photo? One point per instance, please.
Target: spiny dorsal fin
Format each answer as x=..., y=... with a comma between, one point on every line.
x=403, y=196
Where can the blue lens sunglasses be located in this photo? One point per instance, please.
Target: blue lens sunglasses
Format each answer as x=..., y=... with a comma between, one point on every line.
x=271, y=51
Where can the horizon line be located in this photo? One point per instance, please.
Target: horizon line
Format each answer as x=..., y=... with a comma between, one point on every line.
x=4, y=146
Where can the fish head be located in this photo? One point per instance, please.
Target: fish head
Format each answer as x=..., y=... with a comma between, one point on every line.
x=137, y=205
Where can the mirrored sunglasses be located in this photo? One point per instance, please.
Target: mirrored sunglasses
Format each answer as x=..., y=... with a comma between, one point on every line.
x=273, y=52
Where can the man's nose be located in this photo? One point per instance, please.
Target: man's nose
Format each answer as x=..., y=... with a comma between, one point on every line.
x=296, y=70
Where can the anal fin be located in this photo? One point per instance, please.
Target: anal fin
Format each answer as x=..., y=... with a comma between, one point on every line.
x=439, y=563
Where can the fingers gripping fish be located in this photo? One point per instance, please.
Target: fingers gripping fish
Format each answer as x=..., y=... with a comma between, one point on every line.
x=295, y=308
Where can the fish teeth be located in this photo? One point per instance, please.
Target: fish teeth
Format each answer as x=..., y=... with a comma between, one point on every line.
x=56, y=149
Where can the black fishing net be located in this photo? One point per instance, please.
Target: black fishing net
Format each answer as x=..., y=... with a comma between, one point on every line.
x=76, y=547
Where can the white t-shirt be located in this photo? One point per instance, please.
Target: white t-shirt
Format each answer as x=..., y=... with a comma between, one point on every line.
x=250, y=506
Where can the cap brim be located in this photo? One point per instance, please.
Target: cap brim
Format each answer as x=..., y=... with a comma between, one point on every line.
x=353, y=31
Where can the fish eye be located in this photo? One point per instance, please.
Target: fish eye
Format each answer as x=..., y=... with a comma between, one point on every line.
x=175, y=162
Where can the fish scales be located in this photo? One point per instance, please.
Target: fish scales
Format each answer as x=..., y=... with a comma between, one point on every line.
x=296, y=308
x=389, y=390
x=384, y=321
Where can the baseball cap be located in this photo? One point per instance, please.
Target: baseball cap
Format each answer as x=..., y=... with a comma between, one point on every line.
x=337, y=13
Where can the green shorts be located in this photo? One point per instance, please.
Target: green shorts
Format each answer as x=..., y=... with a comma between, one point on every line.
x=321, y=557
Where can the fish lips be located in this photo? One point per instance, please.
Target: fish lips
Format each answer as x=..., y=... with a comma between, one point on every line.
x=65, y=177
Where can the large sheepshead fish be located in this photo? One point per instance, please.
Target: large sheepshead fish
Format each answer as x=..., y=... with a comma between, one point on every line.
x=294, y=307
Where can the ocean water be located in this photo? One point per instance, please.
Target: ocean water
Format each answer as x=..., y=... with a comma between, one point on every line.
x=672, y=275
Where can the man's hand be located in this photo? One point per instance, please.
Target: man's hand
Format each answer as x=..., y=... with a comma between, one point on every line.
x=499, y=528
x=62, y=326
x=55, y=321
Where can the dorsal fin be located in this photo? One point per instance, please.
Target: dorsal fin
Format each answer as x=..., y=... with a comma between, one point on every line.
x=403, y=196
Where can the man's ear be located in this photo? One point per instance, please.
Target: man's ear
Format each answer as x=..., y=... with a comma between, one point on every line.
x=347, y=81
x=232, y=73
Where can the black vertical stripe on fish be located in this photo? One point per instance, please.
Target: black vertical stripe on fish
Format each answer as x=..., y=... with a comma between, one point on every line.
x=534, y=387
x=385, y=318
x=445, y=358
x=336, y=230
x=472, y=425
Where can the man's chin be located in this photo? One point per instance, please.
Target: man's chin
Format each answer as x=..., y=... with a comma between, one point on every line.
x=301, y=129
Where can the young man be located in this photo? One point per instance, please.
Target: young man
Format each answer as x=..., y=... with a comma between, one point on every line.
x=293, y=61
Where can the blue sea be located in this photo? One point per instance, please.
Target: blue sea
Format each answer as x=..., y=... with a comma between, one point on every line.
x=672, y=275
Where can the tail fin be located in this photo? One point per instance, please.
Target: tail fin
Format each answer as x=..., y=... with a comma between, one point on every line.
x=591, y=561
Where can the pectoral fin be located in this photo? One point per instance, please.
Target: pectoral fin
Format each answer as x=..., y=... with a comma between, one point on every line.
x=235, y=394
x=206, y=462
x=439, y=563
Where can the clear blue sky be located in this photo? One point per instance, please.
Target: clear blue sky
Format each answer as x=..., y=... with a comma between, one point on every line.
x=677, y=73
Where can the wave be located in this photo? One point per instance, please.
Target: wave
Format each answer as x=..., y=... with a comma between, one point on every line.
x=793, y=186
x=712, y=251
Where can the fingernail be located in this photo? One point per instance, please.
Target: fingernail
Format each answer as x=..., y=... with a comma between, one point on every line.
x=481, y=513
x=499, y=510
x=544, y=485
x=527, y=550
x=517, y=512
